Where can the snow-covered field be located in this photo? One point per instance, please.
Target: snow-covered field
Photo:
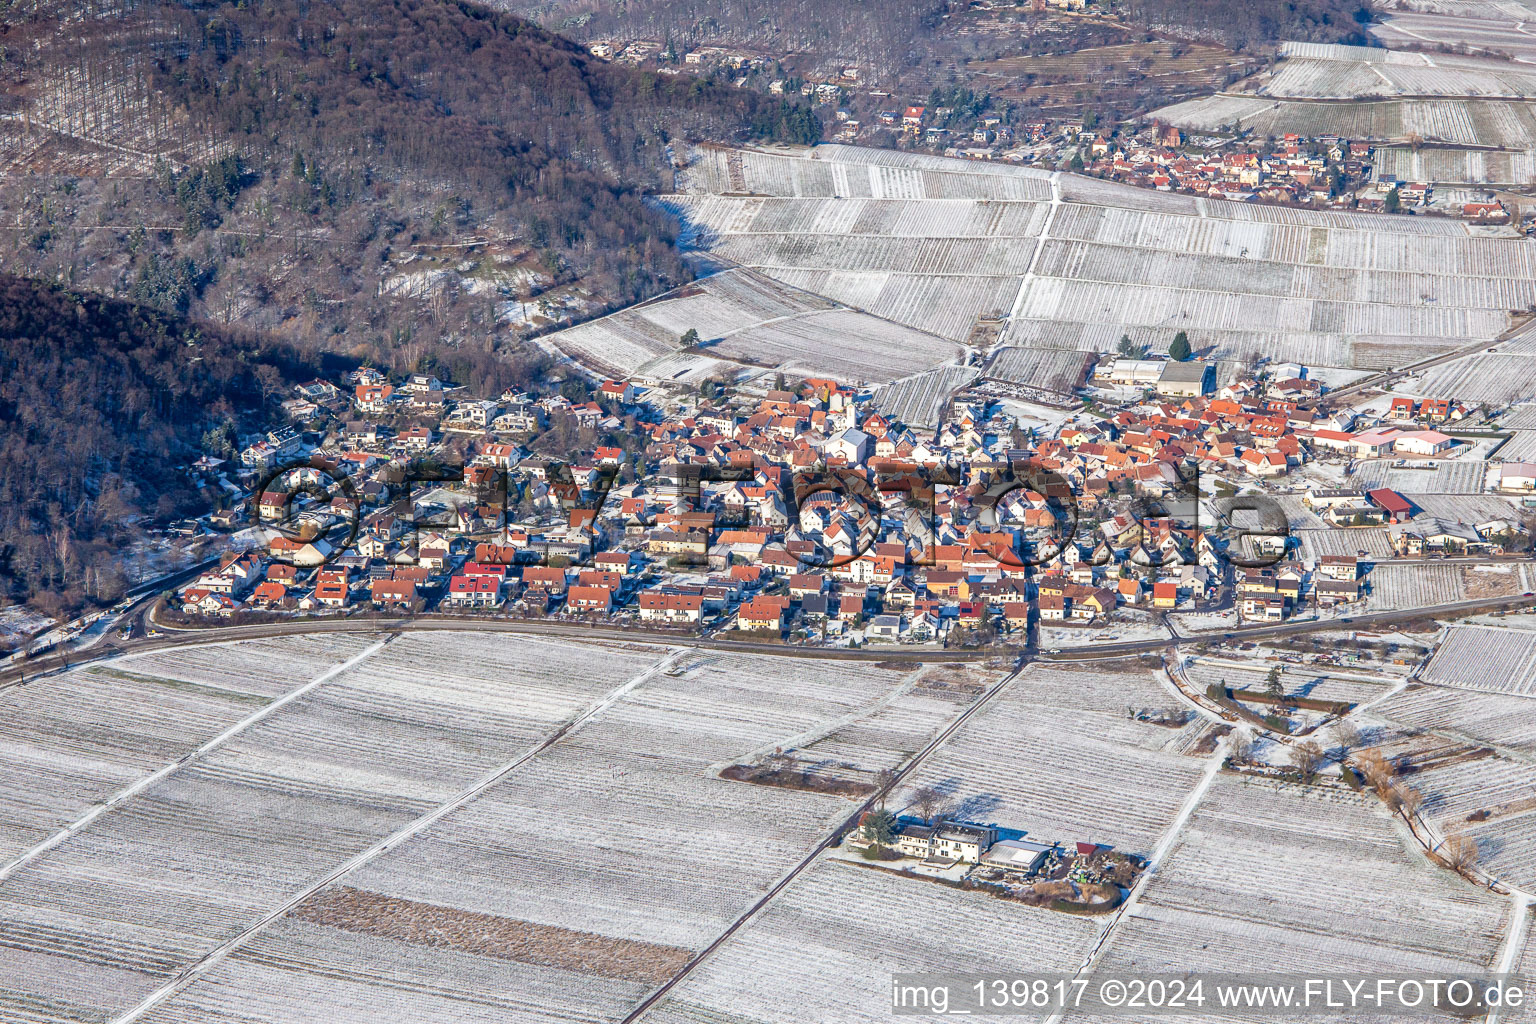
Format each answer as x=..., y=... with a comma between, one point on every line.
x=487, y=807
x=825, y=950
x=917, y=400
x=1486, y=658
x=938, y=244
x=1266, y=878
x=198, y=856
x=68, y=742
x=1482, y=717
x=1059, y=756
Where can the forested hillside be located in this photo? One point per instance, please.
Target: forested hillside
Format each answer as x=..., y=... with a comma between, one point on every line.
x=1255, y=23
x=322, y=168
x=914, y=44
x=103, y=404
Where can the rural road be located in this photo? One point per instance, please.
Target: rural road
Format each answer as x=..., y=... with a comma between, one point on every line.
x=578, y=631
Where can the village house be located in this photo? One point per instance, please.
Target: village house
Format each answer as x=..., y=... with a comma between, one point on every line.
x=474, y=591
x=671, y=608
x=947, y=841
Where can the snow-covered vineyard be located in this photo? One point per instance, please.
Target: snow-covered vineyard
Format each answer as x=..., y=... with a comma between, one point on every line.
x=917, y=400
x=1058, y=755
x=1242, y=893
x=803, y=951
x=1506, y=124
x=413, y=774
x=1486, y=658
x=1074, y=262
x=1486, y=716
x=1487, y=26
x=1326, y=71
x=483, y=827
x=1476, y=111
x=745, y=322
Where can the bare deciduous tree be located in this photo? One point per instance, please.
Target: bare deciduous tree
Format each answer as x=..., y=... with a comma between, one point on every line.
x=883, y=780
x=929, y=803
x=1348, y=736
x=1378, y=772
x=1308, y=756
x=1460, y=852
x=1403, y=797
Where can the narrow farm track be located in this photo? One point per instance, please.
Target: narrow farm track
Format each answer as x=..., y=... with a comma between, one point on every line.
x=1514, y=943
x=213, y=957
x=810, y=858
x=1034, y=259
x=1164, y=846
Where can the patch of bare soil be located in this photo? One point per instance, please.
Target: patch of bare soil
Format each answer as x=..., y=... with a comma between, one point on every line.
x=796, y=778
x=504, y=938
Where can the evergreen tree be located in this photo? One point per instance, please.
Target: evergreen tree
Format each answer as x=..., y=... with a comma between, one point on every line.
x=1180, y=349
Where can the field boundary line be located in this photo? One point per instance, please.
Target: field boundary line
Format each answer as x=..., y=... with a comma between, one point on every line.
x=810, y=858
x=122, y=795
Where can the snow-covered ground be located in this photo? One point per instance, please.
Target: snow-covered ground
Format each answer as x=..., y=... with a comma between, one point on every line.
x=1117, y=630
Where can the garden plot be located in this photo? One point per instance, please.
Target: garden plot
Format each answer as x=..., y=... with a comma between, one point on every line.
x=1488, y=658
x=810, y=957
x=1058, y=755
x=199, y=856
x=575, y=883
x=1307, y=879
x=1441, y=476
x=71, y=741
x=917, y=400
